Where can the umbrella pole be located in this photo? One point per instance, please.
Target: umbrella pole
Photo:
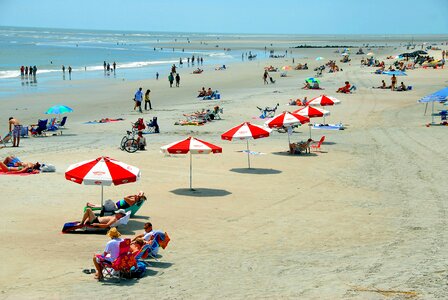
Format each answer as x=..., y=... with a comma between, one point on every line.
x=248, y=153
x=102, y=192
x=191, y=167
x=309, y=126
x=432, y=114
x=426, y=108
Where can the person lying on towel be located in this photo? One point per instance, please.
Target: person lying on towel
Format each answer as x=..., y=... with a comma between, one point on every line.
x=12, y=164
x=89, y=218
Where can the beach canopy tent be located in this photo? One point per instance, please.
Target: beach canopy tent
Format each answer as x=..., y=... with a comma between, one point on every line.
x=287, y=119
x=396, y=73
x=440, y=96
x=58, y=110
x=102, y=171
x=193, y=146
x=246, y=131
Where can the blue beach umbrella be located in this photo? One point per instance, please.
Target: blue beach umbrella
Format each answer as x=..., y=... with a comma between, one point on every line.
x=396, y=73
x=439, y=96
x=58, y=109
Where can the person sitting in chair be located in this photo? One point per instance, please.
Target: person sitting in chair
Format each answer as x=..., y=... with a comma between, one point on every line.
x=89, y=218
x=111, y=252
x=298, y=148
x=126, y=202
x=307, y=86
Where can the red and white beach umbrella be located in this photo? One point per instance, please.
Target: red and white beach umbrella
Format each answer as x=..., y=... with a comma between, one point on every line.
x=323, y=100
x=102, y=171
x=312, y=112
x=287, y=119
x=246, y=131
x=193, y=146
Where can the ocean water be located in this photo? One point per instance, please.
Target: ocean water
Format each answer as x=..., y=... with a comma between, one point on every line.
x=138, y=55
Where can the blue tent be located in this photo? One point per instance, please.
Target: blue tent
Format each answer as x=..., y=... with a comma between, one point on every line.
x=439, y=96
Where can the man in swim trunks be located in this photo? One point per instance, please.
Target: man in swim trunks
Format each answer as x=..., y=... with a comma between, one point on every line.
x=130, y=200
x=89, y=218
x=15, y=128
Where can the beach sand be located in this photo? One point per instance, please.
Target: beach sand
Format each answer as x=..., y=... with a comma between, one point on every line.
x=365, y=218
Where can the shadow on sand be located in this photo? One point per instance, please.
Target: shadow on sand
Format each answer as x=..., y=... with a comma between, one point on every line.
x=201, y=192
x=257, y=171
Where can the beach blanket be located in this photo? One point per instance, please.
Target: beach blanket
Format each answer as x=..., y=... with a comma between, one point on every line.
x=20, y=174
x=105, y=120
x=328, y=126
x=251, y=152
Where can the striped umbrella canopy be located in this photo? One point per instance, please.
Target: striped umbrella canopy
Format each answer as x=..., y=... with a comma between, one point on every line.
x=439, y=96
x=287, y=119
x=323, y=100
x=102, y=171
x=312, y=112
x=193, y=146
x=246, y=131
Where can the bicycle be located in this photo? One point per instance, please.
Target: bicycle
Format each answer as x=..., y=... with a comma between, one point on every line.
x=129, y=142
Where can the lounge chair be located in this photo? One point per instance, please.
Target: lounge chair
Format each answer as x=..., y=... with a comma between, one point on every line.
x=52, y=125
x=6, y=139
x=121, y=266
x=133, y=209
x=316, y=146
x=268, y=112
x=41, y=127
x=62, y=123
x=71, y=227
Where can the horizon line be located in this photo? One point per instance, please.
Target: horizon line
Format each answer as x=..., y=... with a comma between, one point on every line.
x=230, y=33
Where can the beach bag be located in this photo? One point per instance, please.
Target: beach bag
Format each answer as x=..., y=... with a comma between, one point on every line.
x=139, y=271
x=47, y=168
x=109, y=205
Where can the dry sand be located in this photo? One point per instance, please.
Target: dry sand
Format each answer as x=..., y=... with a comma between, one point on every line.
x=365, y=218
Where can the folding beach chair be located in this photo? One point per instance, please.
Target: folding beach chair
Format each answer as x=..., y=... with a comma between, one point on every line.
x=41, y=127
x=62, y=123
x=121, y=266
x=316, y=146
x=52, y=125
x=152, y=126
x=6, y=139
x=268, y=112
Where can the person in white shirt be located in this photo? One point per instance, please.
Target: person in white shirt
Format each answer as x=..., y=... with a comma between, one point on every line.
x=111, y=252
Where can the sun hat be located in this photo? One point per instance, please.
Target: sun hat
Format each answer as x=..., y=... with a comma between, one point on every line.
x=120, y=211
x=113, y=233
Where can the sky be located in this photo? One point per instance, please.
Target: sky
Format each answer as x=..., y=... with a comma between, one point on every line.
x=233, y=16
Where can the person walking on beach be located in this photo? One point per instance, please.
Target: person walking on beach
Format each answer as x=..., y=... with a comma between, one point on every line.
x=104, y=66
x=70, y=72
x=138, y=97
x=115, y=66
x=26, y=70
x=15, y=129
x=147, y=100
x=177, y=80
x=63, y=69
x=171, y=79
x=157, y=75
x=34, y=70
x=173, y=69
x=22, y=71
x=394, y=82
x=265, y=77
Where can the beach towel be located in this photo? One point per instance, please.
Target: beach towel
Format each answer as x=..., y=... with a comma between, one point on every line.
x=105, y=120
x=251, y=152
x=20, y=174
x=328, y=126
